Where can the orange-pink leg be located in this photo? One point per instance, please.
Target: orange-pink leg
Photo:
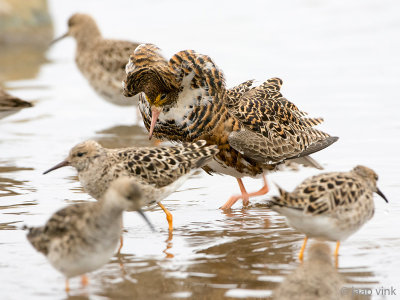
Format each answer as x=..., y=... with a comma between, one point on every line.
x=168, y=215
x=245, y=196
x=169, y=245
x=67, y=285
x=121, y=238
x=121, y=243
x=336, y=254
x=301, y=254
x=84, y=280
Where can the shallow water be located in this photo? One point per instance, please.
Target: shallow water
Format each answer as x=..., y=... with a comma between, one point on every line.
x=338, y=60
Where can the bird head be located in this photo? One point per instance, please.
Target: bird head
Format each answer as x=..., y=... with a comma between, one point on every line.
x=81, y=156
x=370, y=177
x=82, y=27
x=148, y=72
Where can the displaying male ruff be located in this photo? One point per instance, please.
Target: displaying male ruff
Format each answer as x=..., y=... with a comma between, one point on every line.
x=256, y=129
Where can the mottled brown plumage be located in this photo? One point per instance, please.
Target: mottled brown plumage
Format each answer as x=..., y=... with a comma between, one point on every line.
x=10, y=104
x=186, y=99
x=82, y=237
x=330, y=206
x=101, y=61
x=158, y=171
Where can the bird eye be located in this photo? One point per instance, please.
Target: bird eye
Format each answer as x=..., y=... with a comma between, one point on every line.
x=80, y=154
x=163, y=96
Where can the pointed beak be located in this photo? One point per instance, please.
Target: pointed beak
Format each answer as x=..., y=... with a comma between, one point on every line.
x=140, y=212
x=155, y=112
x=60, y=165
x=378, y=191
x=59, y=39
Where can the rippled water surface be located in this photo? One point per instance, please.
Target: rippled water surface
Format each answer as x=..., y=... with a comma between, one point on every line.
x=338, y=59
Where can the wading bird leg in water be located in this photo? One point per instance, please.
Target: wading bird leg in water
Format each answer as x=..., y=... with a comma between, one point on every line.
x=67, y=285
x=121, y=243
x=121, y=238
x=169, y=245
x=84, y=280
x=301, y=254
x=168, y=215
x=245, y=196
x=336, y=254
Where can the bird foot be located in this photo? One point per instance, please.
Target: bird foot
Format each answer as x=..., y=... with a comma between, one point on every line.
x=84, y=280
x=232, y=200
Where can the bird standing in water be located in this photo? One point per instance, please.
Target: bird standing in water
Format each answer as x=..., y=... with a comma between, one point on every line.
x=82, y=237
x=101, y=61
x=255, y=128
x=330, y=206
x=158, y=171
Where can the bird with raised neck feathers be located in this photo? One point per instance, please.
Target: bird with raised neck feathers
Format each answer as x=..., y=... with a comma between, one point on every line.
x=255, y=128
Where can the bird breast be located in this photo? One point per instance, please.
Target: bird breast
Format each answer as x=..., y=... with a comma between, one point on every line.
x=188, y=100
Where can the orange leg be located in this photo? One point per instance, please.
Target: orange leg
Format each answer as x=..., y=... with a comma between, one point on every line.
x=336, y=254
x=67, y=285
x=245, y=196
x=121, y=238
x=121, y=243
x=84, y=280
x=168, y=214
x=301, y=254
x=168, y=245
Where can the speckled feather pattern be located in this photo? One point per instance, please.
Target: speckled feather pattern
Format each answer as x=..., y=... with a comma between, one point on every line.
x=82, y=237
x=345, y=198
x=66, y=225
x=101, y=61
x=254, y=127
x=157, y=170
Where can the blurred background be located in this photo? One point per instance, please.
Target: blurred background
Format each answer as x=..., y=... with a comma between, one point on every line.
x=338, y=60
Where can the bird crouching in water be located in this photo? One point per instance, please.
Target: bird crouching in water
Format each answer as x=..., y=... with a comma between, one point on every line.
x=81, y=238
x=255, y=128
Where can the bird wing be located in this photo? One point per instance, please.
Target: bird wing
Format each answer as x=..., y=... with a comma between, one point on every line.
x=113, y=57
x=60, y=223
x=324, y=193
x=274, y=129
x=163, y=165
x=66, y=218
